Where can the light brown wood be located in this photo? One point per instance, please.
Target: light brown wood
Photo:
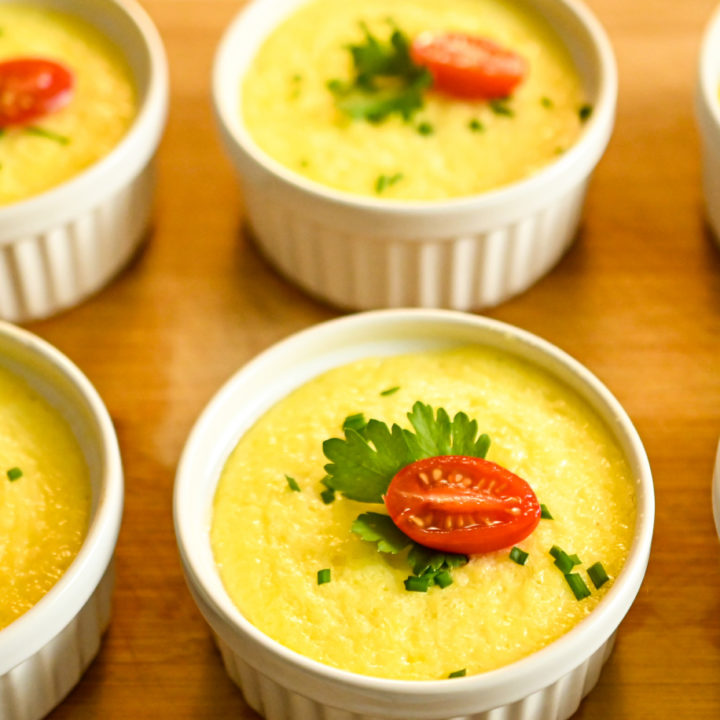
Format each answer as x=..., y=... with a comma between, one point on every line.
x=637, y=299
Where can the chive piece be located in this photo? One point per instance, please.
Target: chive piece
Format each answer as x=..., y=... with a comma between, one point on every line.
x=425, y=128
x=49, y=134
x=500, y=107
x=385, y=181
x=563, y=561
x=577, y=585
x=575, y=559
x=292, y=484
x=476, y=126
x=519, y=556
x=328, y=495
x=585, y=112
x=418, y=584
x=354, y=422
x=458, y=673
x=443, y=579
x=598, y=575
x=546, y=102
x=323, y=576
x=390, y=391
x=14, y=474
x=545, y=513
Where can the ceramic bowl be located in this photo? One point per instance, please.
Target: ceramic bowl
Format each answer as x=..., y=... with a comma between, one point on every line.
x=281, y=684
x=707, y=112
x=59, y=247
x=363, y=253
x=44, y=652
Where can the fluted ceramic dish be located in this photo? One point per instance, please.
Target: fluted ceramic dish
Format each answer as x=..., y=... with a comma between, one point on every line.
x=281, y=684
x=363, y=253
x=44, y=652
x=59, y=247
x=707, y=112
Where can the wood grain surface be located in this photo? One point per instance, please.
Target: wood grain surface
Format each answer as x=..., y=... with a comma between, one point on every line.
x=637, y=300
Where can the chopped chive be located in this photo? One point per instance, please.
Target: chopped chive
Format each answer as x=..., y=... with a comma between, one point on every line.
x=585, y=112
x=355, y=422
x=500, y=107
x=443, y=579
x=577, y=585
x=419, y=584
x=335, y=85
x=49, y=134
x=545, y=513
x=425, y=128
x=304, y=162
x=328, y=495
x=390, y=391
x=598, y=575
x=292, y=484
x=546, y=102
x=476, y=126
x=385, y=181
x=14, y=474
x=519, y=556
x=458, y=673
x=323, y=576
x=564, y=562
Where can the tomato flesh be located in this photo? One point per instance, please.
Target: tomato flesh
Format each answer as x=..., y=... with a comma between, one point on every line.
x=31, y=88
x=462, y=504
x=469, y=66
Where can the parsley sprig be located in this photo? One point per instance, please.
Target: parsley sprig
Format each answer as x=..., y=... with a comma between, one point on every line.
x=385, y=79
x=366, y=460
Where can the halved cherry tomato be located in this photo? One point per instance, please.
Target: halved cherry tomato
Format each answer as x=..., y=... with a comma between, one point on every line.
x=468, y=66
x=31, y=88
x=462, y=504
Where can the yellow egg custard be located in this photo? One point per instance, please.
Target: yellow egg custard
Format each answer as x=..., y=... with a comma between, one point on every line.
x=44, y=497
x=294, y=106
x=53, y=148
x=290, y=560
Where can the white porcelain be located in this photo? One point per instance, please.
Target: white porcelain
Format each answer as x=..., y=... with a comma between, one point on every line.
x=283, y=685
x=58, y=247
x=707, y=112
x=45, y=651
x=366, y=253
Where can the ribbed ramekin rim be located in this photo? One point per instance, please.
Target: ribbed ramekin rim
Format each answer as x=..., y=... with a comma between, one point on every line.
x=20, y=640
x=568, y=651
x=580, y=159
x=123, y=161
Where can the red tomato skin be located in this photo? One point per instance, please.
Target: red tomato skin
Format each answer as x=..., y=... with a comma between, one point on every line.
x=409, y=497
x=469, y=66
x=30, y=88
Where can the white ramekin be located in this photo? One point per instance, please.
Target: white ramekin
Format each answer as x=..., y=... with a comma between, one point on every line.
x=58, y=247
x=363, y=253
x=45, y=651
x=707, y=112
x=283, y=685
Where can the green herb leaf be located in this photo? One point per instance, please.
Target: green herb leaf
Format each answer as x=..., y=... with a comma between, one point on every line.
x=328, y=495
x=546, y=102
x=519, y=556
x=390, y=391
x=425, y=128
x=476, y=126
x=385, y=181
x=585, y=112
x=363, y=464
x=443, y=579
x=356, y=422
x=500, y=107
x=385, y=80
x=458, y=673
x=598, y=575
x=545, y=513
x=423, y=560
x=564, y=562
x=380, y=529
x=418, y=584
x=14, y=474
x=292, y=484
x=49, y=134
x=323, y=576
x=577, y=585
